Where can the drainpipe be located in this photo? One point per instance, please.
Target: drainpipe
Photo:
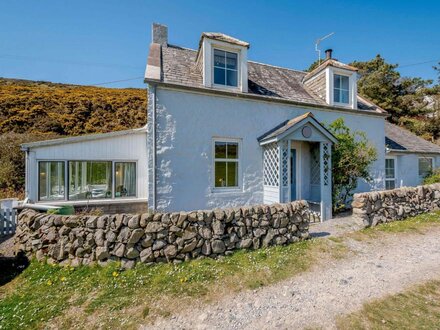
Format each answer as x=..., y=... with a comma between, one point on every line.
x=153, y=121
x=26, y=174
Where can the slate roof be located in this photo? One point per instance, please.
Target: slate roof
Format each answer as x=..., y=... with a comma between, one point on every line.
x=399, y=139
x=179, y=67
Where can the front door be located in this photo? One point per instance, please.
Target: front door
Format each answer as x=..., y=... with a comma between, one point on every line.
x=292, y=174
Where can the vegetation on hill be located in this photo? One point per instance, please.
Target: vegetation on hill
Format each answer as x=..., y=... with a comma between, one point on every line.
x=32, y=111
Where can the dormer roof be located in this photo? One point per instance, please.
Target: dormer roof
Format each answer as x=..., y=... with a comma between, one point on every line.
x=224, y=38
x=329, y=62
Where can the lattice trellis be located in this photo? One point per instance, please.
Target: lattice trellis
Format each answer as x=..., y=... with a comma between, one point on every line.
x=285, y=164
x=271, y=165
x=315, y=165
x=326, y=161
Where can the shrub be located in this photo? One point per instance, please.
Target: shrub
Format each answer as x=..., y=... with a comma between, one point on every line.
x=434, y=177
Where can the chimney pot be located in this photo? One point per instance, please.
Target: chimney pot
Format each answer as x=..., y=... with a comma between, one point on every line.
x=159, y=34
x=328, y=54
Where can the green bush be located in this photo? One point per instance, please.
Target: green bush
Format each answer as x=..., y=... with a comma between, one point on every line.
x=434, y=177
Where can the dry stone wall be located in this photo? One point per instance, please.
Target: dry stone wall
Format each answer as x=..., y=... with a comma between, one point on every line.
x=159, y=237
x=390, y=205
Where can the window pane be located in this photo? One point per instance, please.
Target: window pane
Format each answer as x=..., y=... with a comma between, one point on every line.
x=336, y=95
x=220, y=174
x=344, y=82
x=219, y=76
x=90, y=179
x=389, y=169
x=390, y=184
x=219, y=58
x=232, y=170
x=231, y=61
x=344, y=96
x=220, y=150
x=125, y=179
x=231, y=78
x=425, y=166
x=337, y=81
x=51, y=180
x=232, y=151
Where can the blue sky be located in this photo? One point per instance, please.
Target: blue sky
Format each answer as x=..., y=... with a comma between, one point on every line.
x=91, y=42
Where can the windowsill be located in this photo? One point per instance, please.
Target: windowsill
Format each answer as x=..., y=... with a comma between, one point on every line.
x=94, y=201
x=219, y=191
x=228, y=88
x=343, y=105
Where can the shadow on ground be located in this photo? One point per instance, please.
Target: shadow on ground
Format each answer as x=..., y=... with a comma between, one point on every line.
x=320, y=234
x=11, y=265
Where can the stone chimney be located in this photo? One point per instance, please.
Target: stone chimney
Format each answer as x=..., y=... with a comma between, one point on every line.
x=159, y=34
x=328, y=54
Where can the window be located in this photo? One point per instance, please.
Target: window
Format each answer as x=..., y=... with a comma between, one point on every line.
x=51, y=181
x=226, y=163
x=90, y=180
x=425, y=166
x=341, y=89
x=390, y=173
x=125, y=180
x=225, y=68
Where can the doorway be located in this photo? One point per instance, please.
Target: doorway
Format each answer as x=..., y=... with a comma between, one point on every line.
x=293, y=171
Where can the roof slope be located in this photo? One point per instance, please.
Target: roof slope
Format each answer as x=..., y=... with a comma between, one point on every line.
x=399, y=139
x=179, y=67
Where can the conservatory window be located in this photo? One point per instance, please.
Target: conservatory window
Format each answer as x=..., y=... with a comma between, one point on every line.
x=341, y=89
x=125, y=179
x=225, y=68
x=51, y=181
x=226, y=164
x=90, y=180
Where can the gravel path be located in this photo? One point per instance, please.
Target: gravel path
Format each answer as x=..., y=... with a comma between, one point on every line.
x=317, y=297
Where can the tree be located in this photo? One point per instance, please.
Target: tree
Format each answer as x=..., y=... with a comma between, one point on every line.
x=352, y=156
x=313, y=66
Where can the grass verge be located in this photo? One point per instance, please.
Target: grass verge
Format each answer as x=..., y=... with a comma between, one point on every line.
x=107, y=297
x=417, y=308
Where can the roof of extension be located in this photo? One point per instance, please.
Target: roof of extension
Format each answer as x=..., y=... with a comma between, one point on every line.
x=179, y=68
x=400, y=140
x=82, y=138
x=286, y=126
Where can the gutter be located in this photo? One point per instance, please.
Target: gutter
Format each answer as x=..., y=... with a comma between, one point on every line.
x=261, y=98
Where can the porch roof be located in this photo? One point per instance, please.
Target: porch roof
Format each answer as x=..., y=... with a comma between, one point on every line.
x=289, y=126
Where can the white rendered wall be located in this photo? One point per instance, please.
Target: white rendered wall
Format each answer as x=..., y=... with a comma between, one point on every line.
x=130, y=147
x=408, y=168
x=187, y=123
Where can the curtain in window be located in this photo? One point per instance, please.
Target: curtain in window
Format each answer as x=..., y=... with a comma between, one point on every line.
x=125, y=179
x=51, y=181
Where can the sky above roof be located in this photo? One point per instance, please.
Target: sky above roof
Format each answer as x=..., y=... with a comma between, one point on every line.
x=105, y=42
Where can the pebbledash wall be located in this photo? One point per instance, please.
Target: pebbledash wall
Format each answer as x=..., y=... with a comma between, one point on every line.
x=159, y=237
x=390, y=205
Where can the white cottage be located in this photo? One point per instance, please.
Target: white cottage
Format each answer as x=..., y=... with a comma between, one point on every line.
x=226, y=131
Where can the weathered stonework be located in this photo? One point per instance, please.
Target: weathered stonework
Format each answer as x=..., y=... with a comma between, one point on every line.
x=390, y=205
x=159, y=237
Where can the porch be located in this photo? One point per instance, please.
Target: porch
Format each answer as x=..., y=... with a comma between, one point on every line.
x=297, y=164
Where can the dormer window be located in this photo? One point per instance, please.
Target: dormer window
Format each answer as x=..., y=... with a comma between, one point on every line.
x=225, y=68
x=341, y=90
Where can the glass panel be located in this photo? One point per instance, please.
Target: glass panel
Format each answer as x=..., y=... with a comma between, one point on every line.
x=219, y=58
x=336, y=96
x=344, y=82
x=219, y=76
x=125, y=180
x=90, y=179
x=389, y=168
x=231, y=78
x=425, y=166
x=337, y=81
x=51, y=181
x=390, y=184
x=220, y=150
x=220, y=174
x=232, y=151
x=344, y=97
x=232, y=170
x=231, y=61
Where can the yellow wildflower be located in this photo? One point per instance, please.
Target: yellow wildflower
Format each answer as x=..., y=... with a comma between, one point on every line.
x=115, y=274
x=49, y=282
x=63, y=279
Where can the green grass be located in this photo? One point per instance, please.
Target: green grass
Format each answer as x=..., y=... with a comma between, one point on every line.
x=109, y=298
x=417, y=308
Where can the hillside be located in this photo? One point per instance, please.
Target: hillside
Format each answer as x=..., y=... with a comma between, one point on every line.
x=42, y=107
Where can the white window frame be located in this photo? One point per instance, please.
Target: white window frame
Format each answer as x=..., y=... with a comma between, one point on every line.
x=432, y=165
x=67, y=182
x=238, y=161
x=352, y=88
x=395, y=172
x=341, y=90
x=228, y=50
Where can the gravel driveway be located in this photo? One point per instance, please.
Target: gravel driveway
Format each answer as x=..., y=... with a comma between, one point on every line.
x=317, y=297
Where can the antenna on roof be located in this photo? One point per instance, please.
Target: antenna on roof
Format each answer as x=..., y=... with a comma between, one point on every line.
x=318, y=41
